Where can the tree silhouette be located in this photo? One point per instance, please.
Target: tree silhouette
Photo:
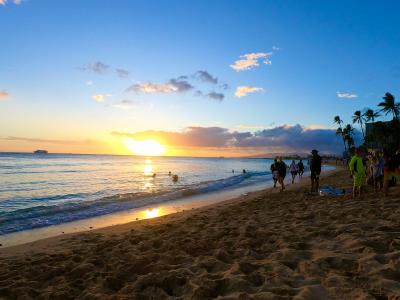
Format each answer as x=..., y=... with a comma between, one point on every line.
x=358, y=117
x=371, y=115
x=339, y=131
x=348, y=132
x=389, y=105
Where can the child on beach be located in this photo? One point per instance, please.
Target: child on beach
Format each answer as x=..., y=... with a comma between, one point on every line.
x=357, y=170
x=293, y=170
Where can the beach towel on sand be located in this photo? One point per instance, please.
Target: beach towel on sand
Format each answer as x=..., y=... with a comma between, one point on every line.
x=332, y=191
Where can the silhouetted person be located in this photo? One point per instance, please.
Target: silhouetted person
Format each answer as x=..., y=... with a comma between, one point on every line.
x=275, y=172
x=300, y=168
x=175, y=178
x=282, y=173
x=315, y=168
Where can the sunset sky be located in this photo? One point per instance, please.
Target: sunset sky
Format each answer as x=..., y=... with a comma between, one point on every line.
x=200, y=78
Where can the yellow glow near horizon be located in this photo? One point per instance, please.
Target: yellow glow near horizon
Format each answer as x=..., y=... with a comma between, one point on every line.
x=145, y=148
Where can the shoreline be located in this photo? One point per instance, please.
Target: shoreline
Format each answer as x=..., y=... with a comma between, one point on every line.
x=131, y=215
x=106, y=223
x=137, y=214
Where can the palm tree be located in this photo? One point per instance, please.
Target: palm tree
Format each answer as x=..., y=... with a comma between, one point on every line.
x=338, y=121
x=370, y=115
x=348, y=131
x=389, y=105
x=358, y=117
x=339, y=131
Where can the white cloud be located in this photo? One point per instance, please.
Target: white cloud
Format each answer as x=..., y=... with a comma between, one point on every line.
x=275, y=48
x=346, y=95
x=150, y=87
x=89, y=82
x=251, y=60
x=16, y=2
x=172, y=86
x=242, y=91
x=4, y=94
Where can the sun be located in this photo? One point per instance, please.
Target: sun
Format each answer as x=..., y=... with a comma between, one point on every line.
x=145, y=148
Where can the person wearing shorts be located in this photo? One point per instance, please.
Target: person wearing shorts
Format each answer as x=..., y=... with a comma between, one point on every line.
x=357, y=170
x=275, y=172
x=293, y=170
x=377, y=169
x=282, y=173
x=300, y=168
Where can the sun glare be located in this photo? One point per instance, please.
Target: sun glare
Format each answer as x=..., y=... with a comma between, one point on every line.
x=145, y=148
x=152, y=213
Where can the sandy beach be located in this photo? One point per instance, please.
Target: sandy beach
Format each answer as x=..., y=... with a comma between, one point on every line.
x=265, y=245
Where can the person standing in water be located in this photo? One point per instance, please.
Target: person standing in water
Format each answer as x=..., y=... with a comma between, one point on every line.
x=300, y=168
x=315, y=168
x=274, y=171
x=293, y=170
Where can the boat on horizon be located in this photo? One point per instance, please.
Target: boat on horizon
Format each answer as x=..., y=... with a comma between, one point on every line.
x=41, y=152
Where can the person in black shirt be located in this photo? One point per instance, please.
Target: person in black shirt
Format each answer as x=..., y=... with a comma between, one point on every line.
x=281, y=166
x=300, y=168
x=274, y=171
x=315, y=168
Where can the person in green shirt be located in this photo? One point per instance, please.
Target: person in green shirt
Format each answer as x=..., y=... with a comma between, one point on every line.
x=357, y=170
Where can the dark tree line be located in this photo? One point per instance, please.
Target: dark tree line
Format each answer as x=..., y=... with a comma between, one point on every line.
x=382, y=134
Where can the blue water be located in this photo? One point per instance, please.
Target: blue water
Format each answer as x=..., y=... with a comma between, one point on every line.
x=39, y=190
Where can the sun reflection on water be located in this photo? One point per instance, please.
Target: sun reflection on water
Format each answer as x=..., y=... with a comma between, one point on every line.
x=148, y=167
x=148, y=173
x=152, y=213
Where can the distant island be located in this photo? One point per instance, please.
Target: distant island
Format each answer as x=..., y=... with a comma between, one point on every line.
x=41, y=152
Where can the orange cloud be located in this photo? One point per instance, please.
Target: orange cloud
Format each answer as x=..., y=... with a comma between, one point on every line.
x=242, y=91
x=284, y=138
x=4, y=94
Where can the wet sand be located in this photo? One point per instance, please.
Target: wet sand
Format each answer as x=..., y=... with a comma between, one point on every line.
x=265, y=245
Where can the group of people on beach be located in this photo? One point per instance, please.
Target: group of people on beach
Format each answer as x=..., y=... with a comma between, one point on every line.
x=279, y=169
x=376, y=168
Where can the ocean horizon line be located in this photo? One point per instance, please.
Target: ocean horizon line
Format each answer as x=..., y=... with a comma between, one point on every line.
x=134, y=155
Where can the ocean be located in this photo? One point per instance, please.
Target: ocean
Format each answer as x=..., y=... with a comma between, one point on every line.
x=38, y=190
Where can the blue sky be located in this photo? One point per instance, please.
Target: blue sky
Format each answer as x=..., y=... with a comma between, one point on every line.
x=50, y=50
